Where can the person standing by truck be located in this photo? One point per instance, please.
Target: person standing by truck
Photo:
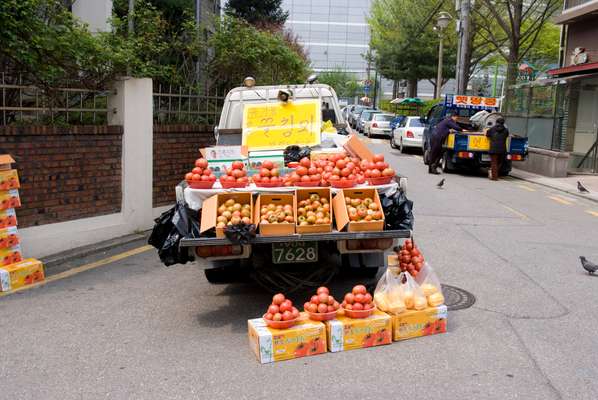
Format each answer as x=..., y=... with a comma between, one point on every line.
x=498, y=135
x=443, y=129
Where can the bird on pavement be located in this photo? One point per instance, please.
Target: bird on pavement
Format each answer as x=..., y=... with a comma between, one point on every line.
x=588, y=266
x=582, y=188
x=440, y=184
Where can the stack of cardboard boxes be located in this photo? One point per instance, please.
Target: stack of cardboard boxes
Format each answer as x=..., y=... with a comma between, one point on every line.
x=15, y=272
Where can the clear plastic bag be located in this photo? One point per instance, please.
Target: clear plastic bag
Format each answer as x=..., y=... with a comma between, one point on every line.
x=412, y=294
x=387, y=295
x=430, y=285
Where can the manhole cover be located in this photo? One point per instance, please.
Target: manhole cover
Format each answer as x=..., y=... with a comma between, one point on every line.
x=456, y=298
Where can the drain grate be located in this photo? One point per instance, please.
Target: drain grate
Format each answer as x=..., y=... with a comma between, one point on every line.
x=456, y=298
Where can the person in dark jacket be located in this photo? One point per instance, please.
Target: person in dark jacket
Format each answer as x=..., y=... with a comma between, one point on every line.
x=498, y=135
x=443, y=129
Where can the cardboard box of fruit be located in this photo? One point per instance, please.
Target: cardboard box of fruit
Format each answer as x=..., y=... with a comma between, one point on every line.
x=414, y=323
x=9, y=179
x=9, y=199
x=346, y=333
x=8, y=237
x=226, y=209
x=10, y=255
x=275, y=214
x=313, y=207
x=21, y=274
x=8, y=218
x=358, y=210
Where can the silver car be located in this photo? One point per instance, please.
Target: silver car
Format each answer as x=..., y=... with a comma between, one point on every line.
x=355, y=111
x=379, y=125
x=365, y=116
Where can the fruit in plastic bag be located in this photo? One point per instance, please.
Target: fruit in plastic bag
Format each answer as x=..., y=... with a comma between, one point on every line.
x=412, y=294
x=420, y=302
x=430, y=285
x=435, y=299
x=387, y=295
x=428, y=289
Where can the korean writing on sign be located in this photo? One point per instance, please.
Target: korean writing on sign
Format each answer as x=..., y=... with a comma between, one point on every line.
x=475, y=101
x=278, y=125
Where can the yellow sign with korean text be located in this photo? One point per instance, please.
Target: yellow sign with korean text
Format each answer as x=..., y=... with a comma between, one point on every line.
x=478, y=143
x=278, y=125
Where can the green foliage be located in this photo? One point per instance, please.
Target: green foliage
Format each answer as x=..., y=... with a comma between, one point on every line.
x=241, y=50
x=344, y=83
x=403, y=49
x=260, y=13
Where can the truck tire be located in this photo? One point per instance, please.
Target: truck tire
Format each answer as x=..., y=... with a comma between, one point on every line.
x=225, y=271
x=426, y=155
x=447, y=163
x=505, y=168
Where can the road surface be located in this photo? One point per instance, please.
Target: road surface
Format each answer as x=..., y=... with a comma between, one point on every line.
x=133, y=329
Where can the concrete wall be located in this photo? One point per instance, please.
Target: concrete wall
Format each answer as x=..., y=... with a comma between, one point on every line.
x=545, y=162
x=133, y=105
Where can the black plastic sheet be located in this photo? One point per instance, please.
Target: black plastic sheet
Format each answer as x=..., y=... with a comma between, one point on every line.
x=398, y=211
x=240, y=233
x=169, y=228
x=295, y=153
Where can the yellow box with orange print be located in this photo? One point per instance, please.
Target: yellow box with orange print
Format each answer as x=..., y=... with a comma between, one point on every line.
x=306, y=338
x=21, y=274
x=8, y=218
x=10, y=255
x=9, y=237
x=413, y=323
x=346, y=333
x=9, y=199
x=9, y=179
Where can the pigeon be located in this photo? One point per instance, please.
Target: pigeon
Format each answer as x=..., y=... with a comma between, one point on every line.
x=440, y=184
x=588, y=266
x=582, y=188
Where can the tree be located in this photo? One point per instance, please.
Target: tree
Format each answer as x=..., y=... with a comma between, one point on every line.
x=260, y=13
x=516, y=28
x=241, y=50
x=344, y=83
x=405, y=43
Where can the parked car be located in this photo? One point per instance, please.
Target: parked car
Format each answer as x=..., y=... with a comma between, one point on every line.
x=354, y=114
x=409, y=133
x=395, y=121
x=365, y=115
x=378, y=125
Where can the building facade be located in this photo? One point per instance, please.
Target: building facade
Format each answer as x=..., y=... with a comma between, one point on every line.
x=560, y=114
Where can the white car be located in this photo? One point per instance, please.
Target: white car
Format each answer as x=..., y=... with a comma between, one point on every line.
x=378, y=124
x=409, y=133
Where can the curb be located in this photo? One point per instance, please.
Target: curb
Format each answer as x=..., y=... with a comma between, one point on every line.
x=541, y=181
x=54, y=260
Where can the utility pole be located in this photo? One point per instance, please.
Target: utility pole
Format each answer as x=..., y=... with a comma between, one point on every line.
x=198, y=23
x=464, y=47
x=131, y=25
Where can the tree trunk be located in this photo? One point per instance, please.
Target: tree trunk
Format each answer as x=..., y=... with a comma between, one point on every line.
x=395, y=89
x=412, y=88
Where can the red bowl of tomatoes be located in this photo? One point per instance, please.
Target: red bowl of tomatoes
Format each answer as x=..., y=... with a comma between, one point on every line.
x=267, y=184
x=357, y=314
x=280, y=324
x=321, y=316
x=201, y=184
x=349, y=183
x=231, y=185
x=308, y=184
x=383, y=180
x=293, y=164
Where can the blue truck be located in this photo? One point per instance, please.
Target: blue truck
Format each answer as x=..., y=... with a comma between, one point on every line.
x=469, y=149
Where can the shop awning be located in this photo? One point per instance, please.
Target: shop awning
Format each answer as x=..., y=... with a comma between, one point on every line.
x=578, y=12
x=574, y=69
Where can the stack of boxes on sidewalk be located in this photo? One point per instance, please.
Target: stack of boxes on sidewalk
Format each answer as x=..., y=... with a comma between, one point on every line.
x=15, y=271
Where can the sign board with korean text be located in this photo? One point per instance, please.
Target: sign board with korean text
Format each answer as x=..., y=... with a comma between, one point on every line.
x=476, y=101
x=278, y=125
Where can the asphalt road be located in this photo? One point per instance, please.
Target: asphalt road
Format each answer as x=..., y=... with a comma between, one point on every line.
x=134, y=329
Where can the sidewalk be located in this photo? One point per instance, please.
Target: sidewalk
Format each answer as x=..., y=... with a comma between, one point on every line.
x=568, y=184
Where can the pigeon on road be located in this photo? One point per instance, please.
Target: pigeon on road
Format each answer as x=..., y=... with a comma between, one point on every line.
x=440, y=184
x=588, y=266
x=582, y=188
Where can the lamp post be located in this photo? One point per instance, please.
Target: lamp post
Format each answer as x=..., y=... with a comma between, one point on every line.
x=441, y=23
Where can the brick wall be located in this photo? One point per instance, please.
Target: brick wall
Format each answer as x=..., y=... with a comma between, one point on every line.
x=176, y=147
x=66, y=173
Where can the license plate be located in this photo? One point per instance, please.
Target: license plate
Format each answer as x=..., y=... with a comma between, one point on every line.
x=477, y=142
x=486, y=157
x=294, y=252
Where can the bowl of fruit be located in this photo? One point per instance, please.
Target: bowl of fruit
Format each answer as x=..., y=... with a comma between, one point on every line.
x=378, y=172
x=343, y=183
x=268, y=175
x=236, y=176
x=322, y=306
x=281, y=313
x=358, y=303
x=201, y=177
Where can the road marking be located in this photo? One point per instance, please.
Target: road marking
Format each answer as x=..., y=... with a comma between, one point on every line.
x=560, y=200
x=524, y=187
x=82, y=268
x=591, y=212
x=519, y=214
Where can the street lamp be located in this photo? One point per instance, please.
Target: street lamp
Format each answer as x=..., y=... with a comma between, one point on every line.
x=442, y=22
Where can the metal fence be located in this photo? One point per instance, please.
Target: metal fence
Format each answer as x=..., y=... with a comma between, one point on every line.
x=185, y=105
x=21, y=103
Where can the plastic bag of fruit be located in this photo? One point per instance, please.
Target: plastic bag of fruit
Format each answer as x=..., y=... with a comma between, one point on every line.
x=411, y=292
x=388, y=295
x=430, y=285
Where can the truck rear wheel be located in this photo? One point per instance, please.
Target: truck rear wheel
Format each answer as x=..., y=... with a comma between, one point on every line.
x=447, y=163
x=225, y=271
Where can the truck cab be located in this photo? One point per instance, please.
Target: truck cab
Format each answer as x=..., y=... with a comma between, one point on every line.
x=468, y=149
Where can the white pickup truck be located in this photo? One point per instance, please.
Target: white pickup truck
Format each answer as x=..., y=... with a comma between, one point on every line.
x=289, y=262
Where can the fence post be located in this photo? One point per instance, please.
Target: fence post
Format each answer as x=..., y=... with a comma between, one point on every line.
x=132, y=106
